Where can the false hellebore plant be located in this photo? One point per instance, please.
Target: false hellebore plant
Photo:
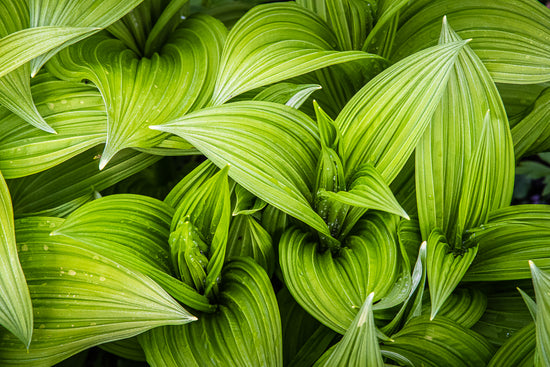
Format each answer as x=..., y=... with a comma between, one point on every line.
x=337, y=179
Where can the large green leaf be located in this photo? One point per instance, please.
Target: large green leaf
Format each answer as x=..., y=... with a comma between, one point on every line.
x=541, y=283
x=518, y=351
x=132, y=230
x=272, y=151
x=465, y=159
x=244, y=331
x=511, y=37
x=75, y=110
x=61, y=189
x=191, y=182
x=383, y=122
x=15, y=87
x=274, y=42
x=332, y=287
x=441, y=342
x=512, y=236
x=139, y=92
x=465, y=306
x=359, y=346
x=532, y=134
x=15, y=302
x=74, y=13
x=81, y=298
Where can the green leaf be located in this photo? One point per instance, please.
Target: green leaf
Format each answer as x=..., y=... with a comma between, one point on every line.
x=383, y=122
x=464, y=161
x=128, y=348
x=200, y=228
x=81, y=298
x=15, y=87
x=465, y=306
x=272, y=151
x=15, y=304
x=244, y=331
x=367, y=189
x=510, y=37
x=248, y=238
x=332, y=287
x=191, y=182
x=132, y=230
x=170, y=83
x=518, y=351
x=75, y=110
x=445, y=268
x=164, y=25
x=292, y=95
x=541, y=283
x=359, y=346
x=77, y=180
x=74, y=13
x=510, y=238
x=246, y=203
x=440, y=342
x=530, y=302
x=532, y=134
x=293, y=41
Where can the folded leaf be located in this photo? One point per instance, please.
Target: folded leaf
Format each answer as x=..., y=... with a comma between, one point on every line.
x=464, y=161
x=293, y=41
x=532, y=134
x=383, y=122
x=445, y=268
x=139, y=92
x=272, y=151
x=510, y=37
x=518, y=351
x=541, y=283
x=331, y=287
x=128, y=348
x=246, y=203
x=244, y=331
x=359, y=346
x=81, y=299
x=190, y=182
x=75, y=110
x=15, y=304
x=440, y=342
x=293, y=95
x=465, y=306
x=132, y=230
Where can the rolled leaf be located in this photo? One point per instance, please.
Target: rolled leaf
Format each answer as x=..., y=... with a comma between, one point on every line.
x=81, y=299
x=244, y=331
x=512, y=38
x=15, y=304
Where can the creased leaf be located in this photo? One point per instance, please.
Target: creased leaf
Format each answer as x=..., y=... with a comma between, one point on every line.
x=532, y=134
x=81, y=298
x=15, y=303
x=518, y=351
x=541, y=283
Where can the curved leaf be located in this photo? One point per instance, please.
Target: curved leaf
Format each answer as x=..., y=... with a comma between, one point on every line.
x=132, y=230
x=511, y=37
x=359, y=346
x=272, y=151
x=139, y=92
x=440, y=342
x=128, y=348
x=518, y=351
x=191, y=182
x=81, y=298
x=331, y=287
x=464, y=161
x=75, y=110
x=383, y=122
x=292, y=95
x=532, y=134
x=465, y=306
x=293, y=41
x=15, y=303
x=245, y=331
x=541, y=283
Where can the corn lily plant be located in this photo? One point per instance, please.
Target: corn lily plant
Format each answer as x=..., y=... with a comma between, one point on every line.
x=253, y=183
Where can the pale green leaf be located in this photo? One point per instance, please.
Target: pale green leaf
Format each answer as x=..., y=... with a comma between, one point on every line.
x=132, y=230
x=165, y=24
x=383, y=122
x=81, y=299
x=293, y=41
x=78, y=179
x=332, y=288
x=511, y=37
x=75, y=110
x=15, y=302
x=272, y=151
x=293, y=95
x=445, y=268
x=464, y=161
x=138, y=91
x=244, y=331
x=436, y=343
x=359, y=346
x=190, y=182
x=245, y=202
x=541, y=283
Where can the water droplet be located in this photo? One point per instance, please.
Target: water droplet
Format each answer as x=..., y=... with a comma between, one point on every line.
x=63, y=101
x=42, y=326
x=24, y=248
x=46, y=248
x=102, y=279
x=72, y=272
